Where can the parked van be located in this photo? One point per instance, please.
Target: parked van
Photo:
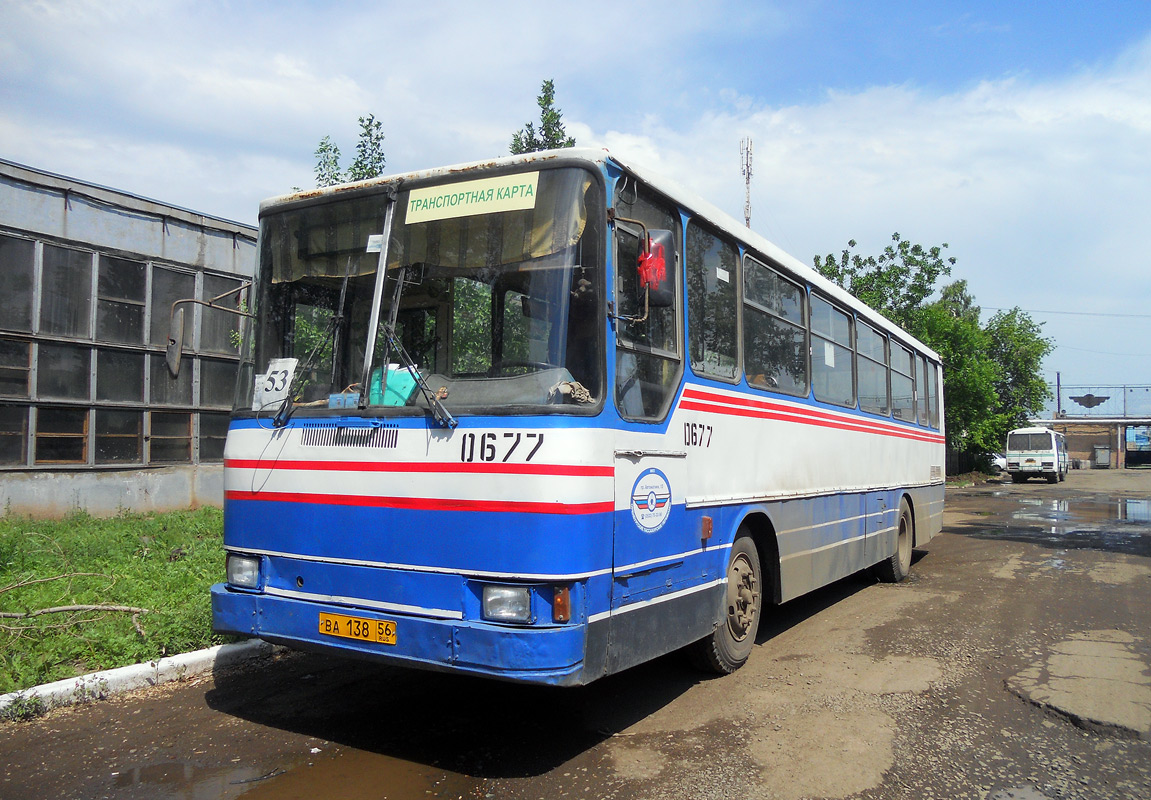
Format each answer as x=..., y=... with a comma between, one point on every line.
x=1036, y=452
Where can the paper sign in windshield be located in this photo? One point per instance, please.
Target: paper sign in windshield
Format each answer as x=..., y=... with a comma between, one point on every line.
x=484, y=196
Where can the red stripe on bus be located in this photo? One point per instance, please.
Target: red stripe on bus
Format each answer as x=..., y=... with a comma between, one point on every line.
x=696, y=400
x=482, y=468
x=424, y=503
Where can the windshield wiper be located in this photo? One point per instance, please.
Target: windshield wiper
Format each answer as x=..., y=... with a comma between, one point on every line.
x=330, y=336
x=391, y=341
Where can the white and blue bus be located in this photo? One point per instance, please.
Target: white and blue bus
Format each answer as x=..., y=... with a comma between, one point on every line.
x=1036, y=452
x=545, y=417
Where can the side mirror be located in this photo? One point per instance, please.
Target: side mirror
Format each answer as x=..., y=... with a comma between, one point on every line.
x=175, y=347
x=656, y=274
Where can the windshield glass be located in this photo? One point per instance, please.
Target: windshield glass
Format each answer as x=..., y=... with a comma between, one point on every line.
x=1029, y=442
x=499, y=283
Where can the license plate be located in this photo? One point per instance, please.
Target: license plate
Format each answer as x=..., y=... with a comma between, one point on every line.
x=381, y=631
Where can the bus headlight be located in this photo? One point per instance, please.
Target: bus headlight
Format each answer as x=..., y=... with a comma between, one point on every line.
x=507, y=604
x=243, y=571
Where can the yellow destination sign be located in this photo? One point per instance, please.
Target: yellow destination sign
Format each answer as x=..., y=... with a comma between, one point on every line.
x=484, y=196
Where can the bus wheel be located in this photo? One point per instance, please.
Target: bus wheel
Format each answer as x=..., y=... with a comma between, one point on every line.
x=729, y=646
x=1053, y=477
x=896, y=568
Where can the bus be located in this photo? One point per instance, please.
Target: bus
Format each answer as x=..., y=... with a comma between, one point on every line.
x=546, y=417
x=1036, y=452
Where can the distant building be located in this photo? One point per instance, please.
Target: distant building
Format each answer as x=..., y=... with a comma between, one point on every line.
x=90, y=416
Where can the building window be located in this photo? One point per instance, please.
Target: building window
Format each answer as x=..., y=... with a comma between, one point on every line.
x=63, y=371
x=61, y=436
x=15, y=367
x=220, y=330
x=119, y=436
x=217, y=383
x=17, y=265
x=120, y=376
x=13, y=435
x=66, y=292
x=169, y=391
x=120, y=296
x=83, y=378
x=171, y=439
x=168, y=286
x=213, y=431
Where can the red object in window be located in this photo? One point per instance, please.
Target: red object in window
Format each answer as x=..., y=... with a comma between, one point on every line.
x=652, y=268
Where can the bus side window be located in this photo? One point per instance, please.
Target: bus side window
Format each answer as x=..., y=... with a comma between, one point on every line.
x=712, y=272
x=648, y=362
x=774, y=333
x=902, y=384
x=832, y=373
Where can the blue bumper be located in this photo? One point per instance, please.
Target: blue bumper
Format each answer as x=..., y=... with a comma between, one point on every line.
x=548, y=655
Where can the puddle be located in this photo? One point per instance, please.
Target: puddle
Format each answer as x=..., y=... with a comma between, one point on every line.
x=1115, y=525
x=347, y=774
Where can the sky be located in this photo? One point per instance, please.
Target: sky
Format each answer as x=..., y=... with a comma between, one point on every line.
x=1019, y=134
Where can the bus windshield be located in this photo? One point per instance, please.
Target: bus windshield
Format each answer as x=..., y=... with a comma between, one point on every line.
x=1030, y=442
x=499, y=284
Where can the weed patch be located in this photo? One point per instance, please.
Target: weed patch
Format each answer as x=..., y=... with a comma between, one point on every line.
x=84, y=594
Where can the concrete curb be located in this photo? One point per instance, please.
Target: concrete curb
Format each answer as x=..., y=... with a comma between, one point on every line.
x=99, y=685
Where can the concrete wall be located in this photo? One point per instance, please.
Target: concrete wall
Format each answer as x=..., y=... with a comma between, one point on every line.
x=107, y=493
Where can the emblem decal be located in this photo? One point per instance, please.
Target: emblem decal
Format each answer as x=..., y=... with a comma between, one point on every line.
x=651, y=500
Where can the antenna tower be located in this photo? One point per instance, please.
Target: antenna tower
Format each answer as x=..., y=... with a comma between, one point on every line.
x=745, y=168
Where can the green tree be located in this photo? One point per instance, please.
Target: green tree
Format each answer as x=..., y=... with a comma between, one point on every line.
x=950, y=326
x=1018, y=347
x=327, y=163
x=991, y=374
x=896, y=282
x=369, y=161
x=551, y=132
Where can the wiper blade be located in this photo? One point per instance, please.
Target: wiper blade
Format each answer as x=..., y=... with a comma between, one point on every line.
x=332, y=335
x=441, y=414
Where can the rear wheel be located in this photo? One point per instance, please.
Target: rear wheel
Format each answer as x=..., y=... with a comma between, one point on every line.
x=729, y=646
x=896, y=568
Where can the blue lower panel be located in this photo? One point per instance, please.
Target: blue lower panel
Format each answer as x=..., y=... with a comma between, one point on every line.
x=551, y=655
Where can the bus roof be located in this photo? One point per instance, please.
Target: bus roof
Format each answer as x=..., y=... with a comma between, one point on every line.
x=699, y=207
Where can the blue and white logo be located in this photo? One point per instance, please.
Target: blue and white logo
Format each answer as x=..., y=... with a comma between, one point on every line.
x=651, y=500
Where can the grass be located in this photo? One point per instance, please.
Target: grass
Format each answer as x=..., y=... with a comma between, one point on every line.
x=163, y=563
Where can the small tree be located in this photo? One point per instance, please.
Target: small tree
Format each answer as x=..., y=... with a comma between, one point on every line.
x=369, y=161
x=551, y=133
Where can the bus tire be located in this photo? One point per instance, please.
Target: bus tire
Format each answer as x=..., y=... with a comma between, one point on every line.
x=897, y=567
x=1017, y=478
x=731, y=643
x=1053, y=477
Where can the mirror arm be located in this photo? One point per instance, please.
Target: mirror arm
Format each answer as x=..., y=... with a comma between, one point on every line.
x=175, y=346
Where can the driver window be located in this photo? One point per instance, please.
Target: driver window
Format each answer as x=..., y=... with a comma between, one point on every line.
x=648, y=361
